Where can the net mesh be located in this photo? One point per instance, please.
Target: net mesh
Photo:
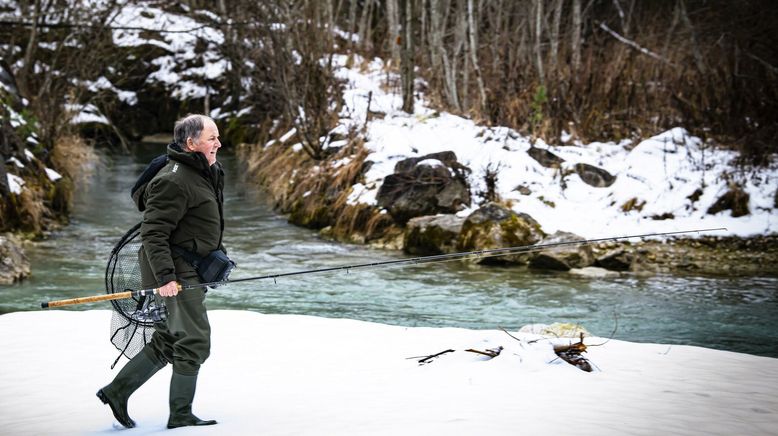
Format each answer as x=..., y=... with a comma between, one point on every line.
x=132, y=320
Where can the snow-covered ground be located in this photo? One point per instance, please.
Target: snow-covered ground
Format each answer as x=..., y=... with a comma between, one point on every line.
x=300, y=375
x=663, y=171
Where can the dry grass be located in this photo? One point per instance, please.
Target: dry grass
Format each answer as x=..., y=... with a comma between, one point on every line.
x=73, y=157
x=315, y=193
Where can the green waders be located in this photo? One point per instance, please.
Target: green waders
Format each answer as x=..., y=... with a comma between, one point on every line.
x=183, y=340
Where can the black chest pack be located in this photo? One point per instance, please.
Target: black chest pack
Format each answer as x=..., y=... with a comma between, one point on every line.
x=215, y=266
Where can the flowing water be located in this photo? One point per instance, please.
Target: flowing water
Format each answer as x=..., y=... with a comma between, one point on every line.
x=730, y=313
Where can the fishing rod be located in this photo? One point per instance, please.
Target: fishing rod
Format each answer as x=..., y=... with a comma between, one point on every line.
x=413, y=260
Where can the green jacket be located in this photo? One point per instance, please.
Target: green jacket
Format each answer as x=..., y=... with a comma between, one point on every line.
x=182, y=205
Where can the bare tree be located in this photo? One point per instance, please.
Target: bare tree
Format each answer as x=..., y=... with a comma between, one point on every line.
x=472, y=31
x=393, y=29
x=538, y=8
x=575, y=42
x=407, y=60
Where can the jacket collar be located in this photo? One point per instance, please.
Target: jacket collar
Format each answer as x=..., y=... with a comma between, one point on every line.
x=192, y=159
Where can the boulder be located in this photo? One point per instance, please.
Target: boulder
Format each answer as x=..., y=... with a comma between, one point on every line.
x=563, y=257
x=735, y=199
x=448, y=158
x=617, y=259
x=594, y=176
x=545, y=157
x=432, y=234
x=14, y=265
x=493, y=226
x=427, y=185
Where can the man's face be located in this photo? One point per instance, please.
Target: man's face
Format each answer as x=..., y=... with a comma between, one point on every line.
x=208, y=142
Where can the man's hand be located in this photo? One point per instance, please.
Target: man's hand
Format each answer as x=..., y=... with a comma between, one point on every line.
x=169, y=290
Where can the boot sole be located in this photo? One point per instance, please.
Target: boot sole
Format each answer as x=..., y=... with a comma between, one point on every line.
x=196, y=424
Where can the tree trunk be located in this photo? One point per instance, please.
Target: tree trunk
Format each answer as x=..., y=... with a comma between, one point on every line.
x=576, y=42
x=29, y=54
x=365, y=25
x=698, y=58
x=474, y=55
x=437, y=30
x=460, y=39
x=538, y=37
x=554, y=56
x=393, y=30
x=406, y=62
x=352, y=23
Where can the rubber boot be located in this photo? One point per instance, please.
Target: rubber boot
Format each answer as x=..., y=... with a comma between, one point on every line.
x=136, y=372
x=182, y=390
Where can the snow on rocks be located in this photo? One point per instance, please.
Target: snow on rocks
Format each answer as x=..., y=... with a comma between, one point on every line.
x=665, y=183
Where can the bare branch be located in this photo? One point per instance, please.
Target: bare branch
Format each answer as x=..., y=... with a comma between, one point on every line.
x=635, y=45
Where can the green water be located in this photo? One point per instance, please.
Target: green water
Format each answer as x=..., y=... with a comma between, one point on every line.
x=734, y=313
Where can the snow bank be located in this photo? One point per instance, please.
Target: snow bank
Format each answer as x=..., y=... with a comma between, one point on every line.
x=286, y=374
x=179, y=43
x=663, y=171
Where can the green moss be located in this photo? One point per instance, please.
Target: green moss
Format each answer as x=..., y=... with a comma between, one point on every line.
x=429, y=240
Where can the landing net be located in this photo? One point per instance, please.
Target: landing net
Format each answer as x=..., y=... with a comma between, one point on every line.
x=132, y=320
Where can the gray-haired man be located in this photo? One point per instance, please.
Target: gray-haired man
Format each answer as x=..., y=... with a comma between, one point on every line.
x=182, y=207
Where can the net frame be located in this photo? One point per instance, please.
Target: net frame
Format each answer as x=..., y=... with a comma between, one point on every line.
x=132, y=319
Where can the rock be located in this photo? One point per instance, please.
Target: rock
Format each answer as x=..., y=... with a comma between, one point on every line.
x=593, y=272
x=523, y=190
x=735, y=199
x=545, y=157
x=427, y=185
x=591, y=175
x=448, y=158
x=617, y=259
x=564, y=257
x=493, y=226
x=14, y=265
x=432, y=234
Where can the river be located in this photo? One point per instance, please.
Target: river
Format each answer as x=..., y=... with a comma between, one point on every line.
x=729, y=313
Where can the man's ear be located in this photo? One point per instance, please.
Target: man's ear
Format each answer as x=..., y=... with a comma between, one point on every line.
x=189, y=144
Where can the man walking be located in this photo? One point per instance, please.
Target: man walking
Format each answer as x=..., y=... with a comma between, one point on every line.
x=182, y=212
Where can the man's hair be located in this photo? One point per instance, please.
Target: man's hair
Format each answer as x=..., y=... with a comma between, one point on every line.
x=191, y=126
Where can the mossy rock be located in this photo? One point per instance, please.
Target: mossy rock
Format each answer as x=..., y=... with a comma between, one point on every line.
x=432, y=234
x=493, y=226
x=15, y=265
x=564, y=254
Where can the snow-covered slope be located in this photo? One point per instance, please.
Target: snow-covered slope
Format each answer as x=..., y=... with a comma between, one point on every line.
x=663, y=171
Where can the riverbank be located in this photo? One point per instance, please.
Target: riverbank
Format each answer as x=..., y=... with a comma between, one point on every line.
x=308, y=375
x=40, y=200
x=385, y=173
x=317, y=194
